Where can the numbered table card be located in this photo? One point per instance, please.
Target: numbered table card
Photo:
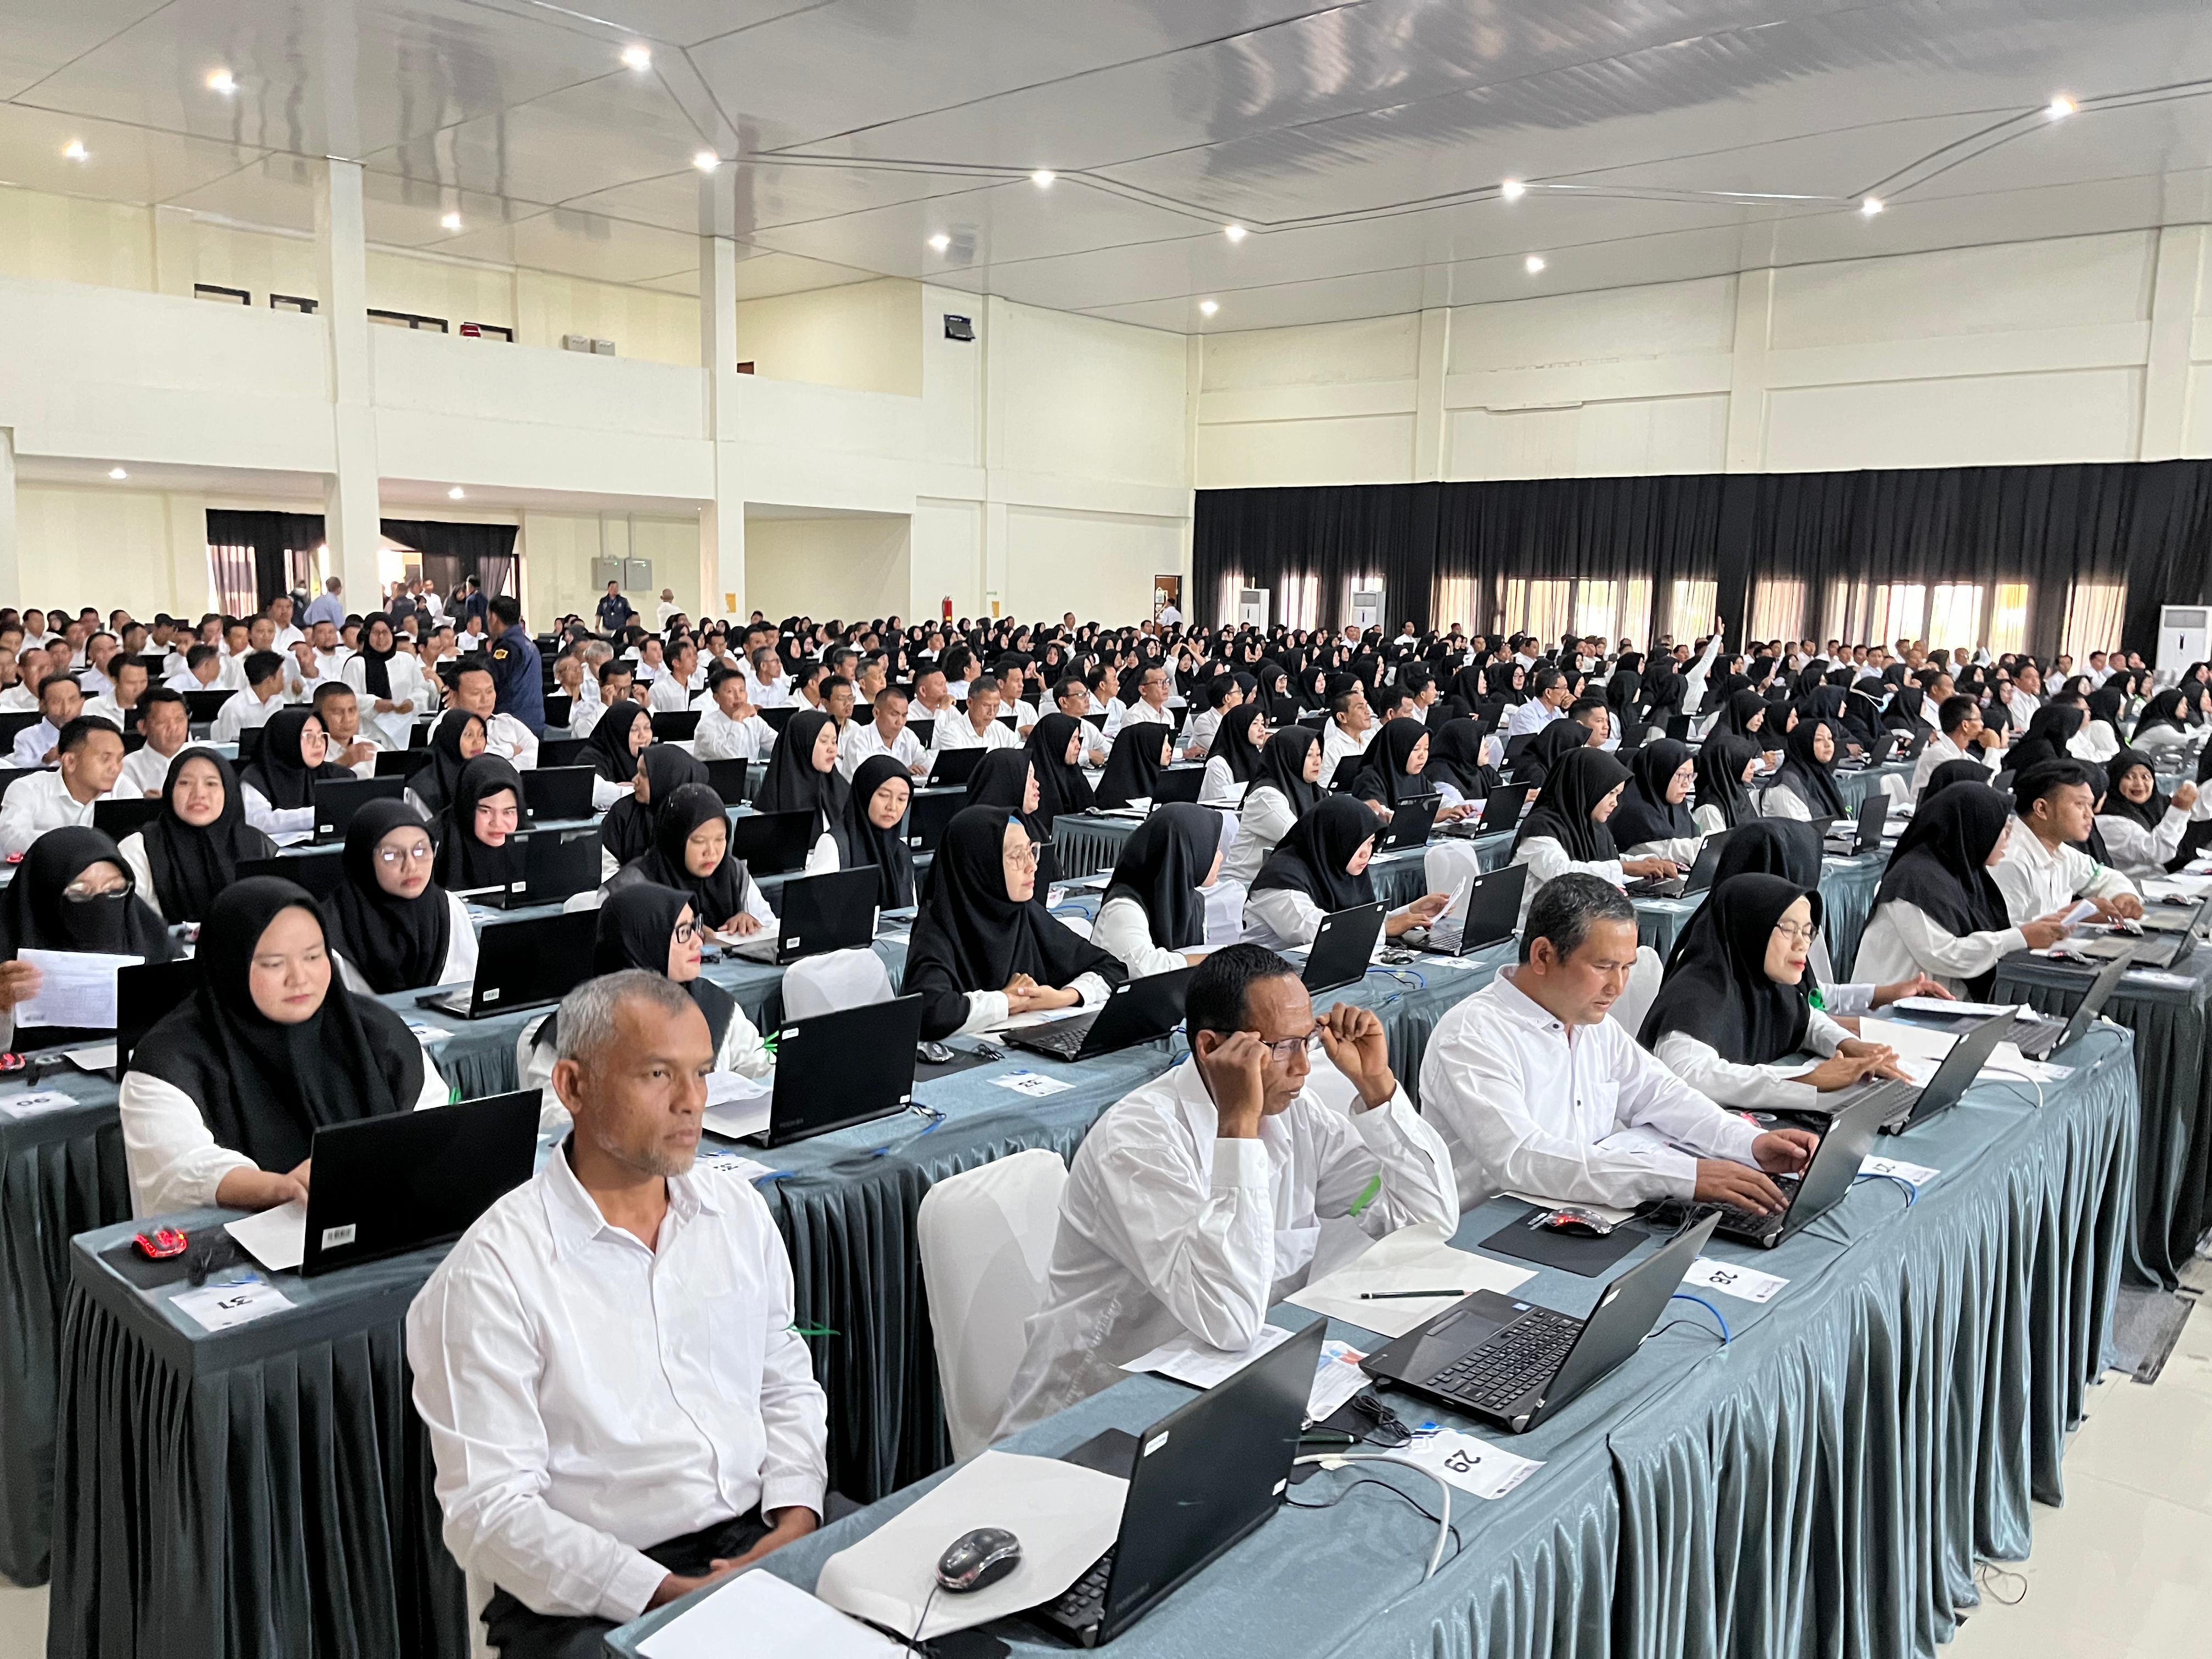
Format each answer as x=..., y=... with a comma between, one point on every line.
x=1470, y=1464
x=36, y=1103
x=1918, y=1174
x=219, y=1307
x=1727, y=1276
x=1035, y=1084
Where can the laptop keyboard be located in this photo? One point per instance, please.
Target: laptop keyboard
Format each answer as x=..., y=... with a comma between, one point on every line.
x=1745, y=1224
x=1083, y=1603
x=1063, y=1038
x=1504, y=1369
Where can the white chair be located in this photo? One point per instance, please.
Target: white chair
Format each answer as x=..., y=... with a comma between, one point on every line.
x=838, y=979
x=1449, y=867
x=1224, y=913
x=1643, y=986
x=986, y=1239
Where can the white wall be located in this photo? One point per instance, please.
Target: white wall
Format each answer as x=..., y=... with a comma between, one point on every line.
x=143, y=550
x=824, y=567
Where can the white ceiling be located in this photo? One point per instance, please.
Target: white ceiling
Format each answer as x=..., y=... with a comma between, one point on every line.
x=1362, y=144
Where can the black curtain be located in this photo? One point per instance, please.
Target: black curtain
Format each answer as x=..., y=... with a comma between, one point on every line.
x=2147, y=524
x=485, y=551
x=272, y=536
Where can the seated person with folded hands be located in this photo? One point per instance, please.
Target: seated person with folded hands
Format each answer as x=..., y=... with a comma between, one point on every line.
x=1531, y=1085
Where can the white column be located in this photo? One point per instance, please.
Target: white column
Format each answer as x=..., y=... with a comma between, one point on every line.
x=351, y=511
x=997, y=412
x=1429, y=427
x=1747, y=420
x=2172, y=321
x=11, y=575
x=722, y=521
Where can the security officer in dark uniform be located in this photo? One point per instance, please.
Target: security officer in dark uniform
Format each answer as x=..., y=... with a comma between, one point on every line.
x=517, y=679
x=614, y=609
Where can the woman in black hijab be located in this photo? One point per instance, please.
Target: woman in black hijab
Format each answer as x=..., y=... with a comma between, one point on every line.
x=280, y=783
x=1746, y=713
x=1623, y=689
x=1007, y=781
x=1557, y=739
x=1654, y=816
x=1279, y=705
x=1055, y=751
x=1938, y=910
x=268, y=1049
x=2163, y=724
x=1134, y=763
x=1153, y=915
x=803, y=777
x=1319, y=868
x=458, y=738
x=2050, y=730
x=392, y=927
x=690, y=853
x=882, y=788
x=984, y=946
x=1723, y=766
x=73, y=892
x=2142, y=825
x=477, y=846
x=1392, y=770
x=1285, y=787
x=1954, y=772
x=192, y=849
x=1567, y=829
x=624, y=732
x=1805, y=788
x=1234, y=757
x=627, y=829
x=1455, y=770
x=1738, y=996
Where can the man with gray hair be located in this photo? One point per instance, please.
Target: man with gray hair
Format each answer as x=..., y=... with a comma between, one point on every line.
x=1536, y=1092
x=619, y=1408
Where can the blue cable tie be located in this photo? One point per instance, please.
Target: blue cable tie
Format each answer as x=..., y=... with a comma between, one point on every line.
x=1685, y=1296
x=1912, y=1191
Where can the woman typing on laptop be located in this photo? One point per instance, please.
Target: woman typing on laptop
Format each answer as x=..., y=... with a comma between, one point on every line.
x=1566, y=832
x=690, y=853
x=1320, y=869
x=1153, y=918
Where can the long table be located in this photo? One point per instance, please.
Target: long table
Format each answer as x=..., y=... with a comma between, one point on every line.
x=1824, y=1481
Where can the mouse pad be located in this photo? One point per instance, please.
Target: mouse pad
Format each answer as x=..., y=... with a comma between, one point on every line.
x=1569, y=1252
x=965, y=1059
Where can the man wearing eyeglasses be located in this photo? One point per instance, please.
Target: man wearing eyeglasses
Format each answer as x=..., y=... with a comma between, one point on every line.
x=1197, y=1201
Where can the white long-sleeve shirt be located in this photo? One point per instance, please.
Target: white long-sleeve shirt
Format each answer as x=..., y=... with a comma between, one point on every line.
x=1901, y=941
x=1547, y=861
x=1531, y=716
x=1336, y=743
x=1941, y=748
x=1763, y=1087
x=35, y=742
x=668, y=695
x=174, y=1161
x=1779, y=800
x=2139, y=851
x=587, y=1397
x=273, y=821
x=1262, y=822
x=717, y=737
x=35, y=804
x=1166, y=1227
x=863, y=742
x=1219, y=787
x=2036, y=879
x=243, y=712
x=1125, y=930
x=955, y=731
x=145, y=769
x=1522, y=1102
x=512, y=741
x=403, y=673
x=1694, y=677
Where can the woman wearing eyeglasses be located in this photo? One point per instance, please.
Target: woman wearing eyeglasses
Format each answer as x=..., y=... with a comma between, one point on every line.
x=392, y=926
x=1738, y=1002
x=71, y=892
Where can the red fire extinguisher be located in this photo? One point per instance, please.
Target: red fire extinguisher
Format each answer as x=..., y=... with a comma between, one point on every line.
x=948, y=607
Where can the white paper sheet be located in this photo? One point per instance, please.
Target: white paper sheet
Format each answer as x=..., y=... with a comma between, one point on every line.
x=1412, y=1258
x=1733, y=1278
x=276, y=1238
x=1470, y=1463
x=1337, y=1378
x=1066, y=1516
x=76, y=987
x=1187, y=1359
x=738, y=1106
x=1966, y=1010
x=1035, y=1084
x=757, y=1613
x=1918, y=1174
x=219, y=1307
x=100, y=1057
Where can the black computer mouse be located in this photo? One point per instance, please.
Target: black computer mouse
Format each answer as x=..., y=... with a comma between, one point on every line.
x=1575, y=1224
x=935, y=1052
x=977, y=1559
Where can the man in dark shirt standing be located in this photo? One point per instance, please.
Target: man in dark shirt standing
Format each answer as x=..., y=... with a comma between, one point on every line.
x=476, y=605
x=614, y=609
x=517, y=680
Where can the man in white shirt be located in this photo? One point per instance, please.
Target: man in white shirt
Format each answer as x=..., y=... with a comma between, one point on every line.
x=666, y=610
x=91, y=760
x=319, y=660
x=1548, y=697
x=1220, y=695
x=1351, y=728
x=932, y=702
x=1151, y=702
x=504, y=735
x=2025, y=699
x=770, y=687
x=59, y=702
x=339, y=710
x=1963, y=738
x=280, y=612
x=167, y=729
x=1106, y=710
x=615, y=685
x=1010, y=700
x=257, y=705
x=120, y=703
x=1536, y=1092
x=1170, y=617
x=99, y=650
x=1072, y=698
x=977, y=727
x=671, y=693
x=2054, y=803
x=619, y=1406
x=884, y=733
x=1197, y=1201
x=1694, y=677
x=730, y=728
x=16, y=698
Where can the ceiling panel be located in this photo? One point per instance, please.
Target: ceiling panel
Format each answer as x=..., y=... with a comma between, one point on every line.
x=579, y=244
x=121, y=163
x=37, y=39
x=654, y=22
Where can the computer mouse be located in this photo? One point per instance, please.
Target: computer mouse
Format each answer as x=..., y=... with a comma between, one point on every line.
x=977, y=1559
x=1575, y=1224
x=935, y=1052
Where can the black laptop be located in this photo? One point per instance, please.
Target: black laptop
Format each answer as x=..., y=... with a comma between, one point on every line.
x=955, y=766
x=2169, y=934
x=1136, y=1011
x=558, y=792
x=1489, y=914
x=780, y=716
x=1201, y=1480
x=201, y=707
x=1905, y=1103
x=675, y=724
x=143, y=994
x=319, y=871
x=2040, y=1042
x=1501, y=811
x=1513, y=1363
x=1698, y=877
x=1866, y=836
x=1343, y=947
x=772, y=843
x=523, y=963
x=560, y=709
x=1178, y=783
x=387, y=1185
x=558, y=862
x=402, y=762
x=728, y=779
x=1346, y=770
x=1409, y=825
x=833, y=911
x=1825, y=1180
x=560, y=751
x=850, y=1066
x=337, y=799
x=928, y=814
x=118, y=818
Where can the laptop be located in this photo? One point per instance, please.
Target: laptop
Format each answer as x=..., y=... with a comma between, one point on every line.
x=337, y=799
x=1866, y=836
x=1697, y=878
x=1489, y=914
x=780, y=716
x=1905, y=1104
x=1136, y=1011
x=201, y=707
x=401, y=762
x=728, y=779
x=955, y=766
x=922, y=725
x=1346, y=770
x=524, y=963
x=771, y=843
x=558, y=792
x=1178, y=783
x=1678, y=726
x=143, y=994
x=319, y=871
x=2169, y=934
x=558, y=862
x=115, y=819
x=928, y=814
x=1201, y=1480
x=387, y=1185
x=1343, y=946
x=1409, y=825
x=1511, y=1363
x=675, y=724
x=554, y=752
x=832, y=1071
x=1822, y=1185
x=2047, y=1038
x=833, y=911
x=560, y=708
x=249, y=744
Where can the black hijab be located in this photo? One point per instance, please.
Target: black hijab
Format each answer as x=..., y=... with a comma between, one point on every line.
x=606, y=751
x=886, y=850
x=792, y=784
x=1062, y=786
x=1811, y=779
x=1646, y=813
x=1232, y=742
x=465, y=862
x=395, y=943
x=1558, y=739
x=263, y=1088
x=715, y=896
x=2164, y=709
x=34, y=916
x=1455, y=758
x=192, y=864
x=433, y=785
x=283, y=777
x=376, y=665
x=1582, y=778
x=636, y=925
x=1789, y=848
x=1161, y=868
x=1941, y=866
x=1133, y=765
x=1282, y=768
x=2048, y=730
x=1720, y=764
x=1311, y=858
x=627, y=829
x=1383, y=775
x=1003, y=781
x=1951, y=772
x=1718, y=989
x=2148, y=813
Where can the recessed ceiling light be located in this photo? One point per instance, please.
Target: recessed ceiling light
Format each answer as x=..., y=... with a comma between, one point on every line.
x=705, y=161
x=75, y=149
x=451, y=221
x=940, y=241
x=2061, y=106
x=1042, y=177
x=1234, y=233
x=637, y=57
x=117, y=473
x=456, y=494
x=223, y=81
x=1207, y=307
x=1872, y=205
x=1512, y=190
x=1533, y=264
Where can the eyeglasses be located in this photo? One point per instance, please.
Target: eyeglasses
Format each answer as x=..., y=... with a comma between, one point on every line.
x=420, y=853
x=685, y=932
x=78, y=893
x=1287, y=1049
x=1024, y=858
x=1804, y=931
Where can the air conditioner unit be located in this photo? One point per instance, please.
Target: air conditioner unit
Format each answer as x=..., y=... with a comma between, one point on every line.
x=2185, y=636
x=576, y=343
x=1252, y=607
x=1367, y=607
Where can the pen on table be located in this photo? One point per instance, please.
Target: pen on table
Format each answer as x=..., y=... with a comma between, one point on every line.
x=1395, y=1296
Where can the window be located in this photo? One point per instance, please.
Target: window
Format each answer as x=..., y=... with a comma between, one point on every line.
x=292, y=302
x=1777, y=611
x=229, y=296
x=2008, y=622
x=231, y=580
x=1540, y=608
x=1455, y=606
x=2094, y=611
x=1633, y=620
x=1899, y=611
x=1954, y=613
x=1594, y=609
x=1298, y=600
x=1691, y=612
x=1231, y=584
x=488, y=331
x=408, y=319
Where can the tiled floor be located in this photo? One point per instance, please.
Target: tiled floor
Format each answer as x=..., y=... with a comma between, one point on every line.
x=2122, y=1571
